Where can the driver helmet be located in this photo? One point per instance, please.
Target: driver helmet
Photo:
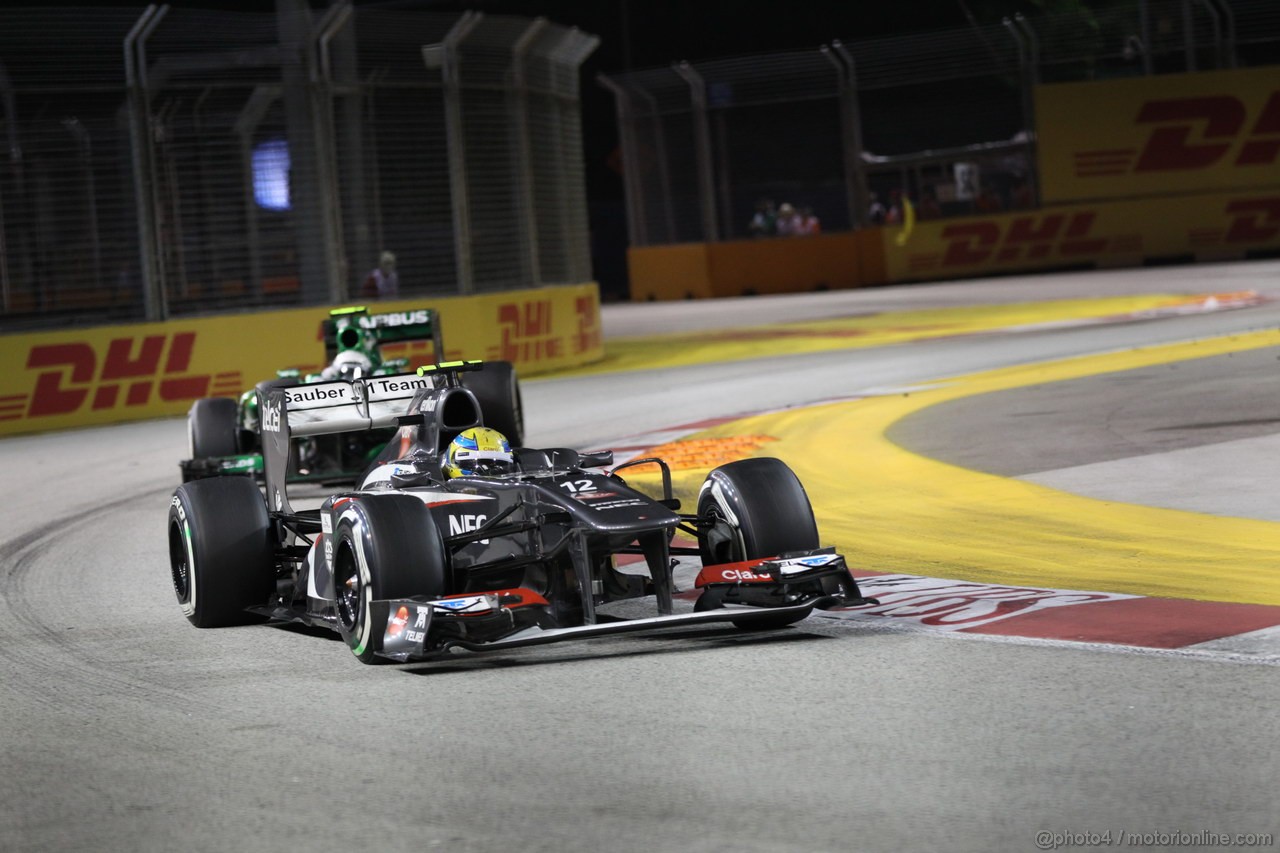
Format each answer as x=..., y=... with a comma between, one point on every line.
x=479, y=451
x=350, y=364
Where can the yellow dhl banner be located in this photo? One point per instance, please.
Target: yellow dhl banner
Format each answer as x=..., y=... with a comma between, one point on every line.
x=1167, y=134
x=121, y=373
x=1102, y=233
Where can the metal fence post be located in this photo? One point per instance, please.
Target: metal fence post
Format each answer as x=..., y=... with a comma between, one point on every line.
x=637, y=229
x=15, y=153
x=1229, y=32
x=524, y=151
x=309, y=197
x=664, y=165
x=1144, y=23
x=702, y=148
x=246, y=123
x=851, y=125
x=1030, y=79
x=444, y=56
x=337, y=264
x=567, y=57
x=151, y=271
x=84, y=145
x=1216, y=19
x=1188, y=36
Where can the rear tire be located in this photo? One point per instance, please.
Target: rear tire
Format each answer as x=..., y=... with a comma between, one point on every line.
x=498, y=391
x=212, y=428
x=384, y=547
x=221, y=551
x=758, y=509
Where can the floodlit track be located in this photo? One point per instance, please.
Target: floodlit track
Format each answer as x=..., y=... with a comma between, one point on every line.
x=125, y=729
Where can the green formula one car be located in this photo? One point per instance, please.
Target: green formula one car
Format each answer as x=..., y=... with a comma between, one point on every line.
x=225, y=434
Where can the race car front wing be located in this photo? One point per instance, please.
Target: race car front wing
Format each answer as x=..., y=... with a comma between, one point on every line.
x=751, y=594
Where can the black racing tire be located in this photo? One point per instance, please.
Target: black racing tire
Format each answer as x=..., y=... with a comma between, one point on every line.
x=221, y=551
x=497, y=389
x=772, y=511
x=757, y=508
x=212, y=428
x=384, y=547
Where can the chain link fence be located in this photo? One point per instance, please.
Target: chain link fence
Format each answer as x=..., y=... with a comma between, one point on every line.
x=165, y=162
x=945, y=118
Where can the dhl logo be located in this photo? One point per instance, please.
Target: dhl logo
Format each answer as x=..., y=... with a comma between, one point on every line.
x=1036, y=237
x=525, y=333
x=589, y=335
x=1192, y=133
x=1253, y=221
x=73, y=376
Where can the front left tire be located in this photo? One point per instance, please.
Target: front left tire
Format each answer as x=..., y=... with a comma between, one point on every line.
x=747, y=510
x=221, y=551
x=384, y=547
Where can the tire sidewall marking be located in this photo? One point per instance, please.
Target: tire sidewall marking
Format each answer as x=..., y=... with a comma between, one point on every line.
x=184, y=526
x=718, y=497
x=365, y=629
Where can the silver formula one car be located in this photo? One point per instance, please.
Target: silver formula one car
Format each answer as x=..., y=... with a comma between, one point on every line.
x=415, y=563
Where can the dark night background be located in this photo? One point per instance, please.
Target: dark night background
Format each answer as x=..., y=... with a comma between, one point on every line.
x=638, y=34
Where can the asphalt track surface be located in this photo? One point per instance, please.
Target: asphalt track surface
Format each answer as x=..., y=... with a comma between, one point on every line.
x=125, y=729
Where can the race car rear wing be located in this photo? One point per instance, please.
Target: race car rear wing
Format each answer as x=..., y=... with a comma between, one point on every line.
x=347, y=327
x=323, y=408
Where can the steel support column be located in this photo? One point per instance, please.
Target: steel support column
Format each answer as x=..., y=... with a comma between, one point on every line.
x=444, y=56
x=150, y=269
x=855, y=177
x=702, y=151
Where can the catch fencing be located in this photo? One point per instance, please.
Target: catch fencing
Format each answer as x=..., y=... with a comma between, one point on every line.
x=944, y=119
x=166, y=162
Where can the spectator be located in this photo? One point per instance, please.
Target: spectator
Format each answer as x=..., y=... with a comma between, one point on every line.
x=875, y=211
x=1022, y=199
x=809, y=224
x=894, y=214
x=788, y=224
x=987, y=201
x=765, y=221
x=928, y=207
x=383, y=282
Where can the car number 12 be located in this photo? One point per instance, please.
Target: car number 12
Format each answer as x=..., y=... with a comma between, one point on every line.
x=578, y=486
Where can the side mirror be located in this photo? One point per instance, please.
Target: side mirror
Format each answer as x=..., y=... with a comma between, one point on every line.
x=596, y=459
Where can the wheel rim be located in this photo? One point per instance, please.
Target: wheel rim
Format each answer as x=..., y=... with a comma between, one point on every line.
x=346, y=578
x=721, y=543
x=179, y=566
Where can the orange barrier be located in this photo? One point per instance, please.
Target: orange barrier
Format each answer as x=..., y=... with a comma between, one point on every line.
x=1163, y=135
x=123, y=373
x=746, y=267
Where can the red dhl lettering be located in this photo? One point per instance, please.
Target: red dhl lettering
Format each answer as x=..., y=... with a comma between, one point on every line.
x=1256, y=220
x=1193, y=133
x=525, y=333
x=589, y=334
x=72, y=375
x=1026, y=238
